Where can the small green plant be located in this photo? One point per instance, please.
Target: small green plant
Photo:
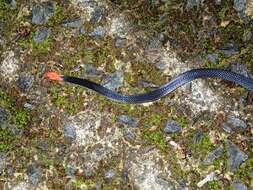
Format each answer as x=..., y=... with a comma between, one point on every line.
x=156, y=137
x=153, y=119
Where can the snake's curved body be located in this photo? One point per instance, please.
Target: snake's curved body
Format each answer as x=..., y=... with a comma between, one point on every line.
x=165, y=89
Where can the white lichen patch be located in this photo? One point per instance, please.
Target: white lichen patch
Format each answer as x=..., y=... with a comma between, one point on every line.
x=21, y=186
x=9, y=66
x=249, y=7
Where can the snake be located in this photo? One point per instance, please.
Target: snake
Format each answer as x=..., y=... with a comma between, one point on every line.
x=160, y=92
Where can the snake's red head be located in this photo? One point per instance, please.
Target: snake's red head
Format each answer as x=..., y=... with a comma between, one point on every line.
x=53, y=76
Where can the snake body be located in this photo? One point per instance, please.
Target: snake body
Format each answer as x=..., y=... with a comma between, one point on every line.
x=175, y=83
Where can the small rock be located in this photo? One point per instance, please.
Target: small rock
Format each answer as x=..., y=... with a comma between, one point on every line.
x=230, y=49
x=246, y=98
x=172, y=127
x=164, y=183
x=127, y=120
x=88, y=172
x=110, y=174
x=9, y=171
x=70, y=171
x=74, y=23
x=240, y=69
x=69, y=132
x=192, y=3
x=92, y=71
x=41, y=35
x=114, y=80
x=96, y=15
x=238, y=185
x=120, y=42
x=213, y=155
x=198, y=137
x=33, y=174
x=154, y=44
x=147, y=84
x=98, y=32
x=129, y=135
x=12, y=3
x=239, y=5
x=226, y=128
x=42, y=12
x=82, y=31
x=238, y=123
x=213, y=57
x=236, y=156
x=247, y=36
x=25, y=82
x=4, y=116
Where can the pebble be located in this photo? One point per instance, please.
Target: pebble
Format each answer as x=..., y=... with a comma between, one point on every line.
x=98, y=32
x=226, y=128
x=127, y=120
x=114, y=81
x=110, y=174
x=74, y=23
x=240, y=69
x=238, y=185
x=172, y=127
x=96, y=15
x=70, y=171
x=213, y=57
x=41, y=35
x=213, y=155
x=236, y=156
x=236, y=122
x=239, y=5
x=12, y=3
x=69, y=132
x=25, y=82
x=42, y=12
x=120, y=42
x=129, y=135
x=92, y=71
x=247, y=36
x=4, y=116
x=192, y=3
x=33, y=174
x=230, y=49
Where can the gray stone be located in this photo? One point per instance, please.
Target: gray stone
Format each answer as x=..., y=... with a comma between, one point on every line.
x=114, y=81
x=70, y=171
x=154, y=44
x=25, y=82
x=226, y=128
x=147, y=84
x=92, y=71
x=164, y=183
x=98, y=32
x=213, y=57
x=240, y=69
x=129, y=135
x=41, y=35
x=236, y=122
x=33, y=174
x=69, y=132
x=236, y=156
x=213, y=155
x=127, y=120
x=82, y=31
x=96, y=15
x=120, y=42
x=192, y=3
x=247, y=36
x=12, y=3
x=9, y=171
x=4, y=116
x=88, y=172
x=172, y=127
x=239, y=5
x=238, y=185
x=74, y=23
x=42, y=12
x=246, y=99
x=230, y=49
x=110, y=174
x=197, y=138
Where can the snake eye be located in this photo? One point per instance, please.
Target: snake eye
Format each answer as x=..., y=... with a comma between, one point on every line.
x=53, y=76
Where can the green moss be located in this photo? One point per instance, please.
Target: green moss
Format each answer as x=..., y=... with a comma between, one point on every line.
x=243, y=172
x=153, y=120
x=157, y=138
x=214, y=185
x=6, y=139
x=203, y=147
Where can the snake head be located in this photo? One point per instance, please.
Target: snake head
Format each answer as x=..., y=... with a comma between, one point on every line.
x=53, y=76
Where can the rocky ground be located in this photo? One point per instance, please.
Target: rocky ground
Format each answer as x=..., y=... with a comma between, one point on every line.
x=61, y=136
